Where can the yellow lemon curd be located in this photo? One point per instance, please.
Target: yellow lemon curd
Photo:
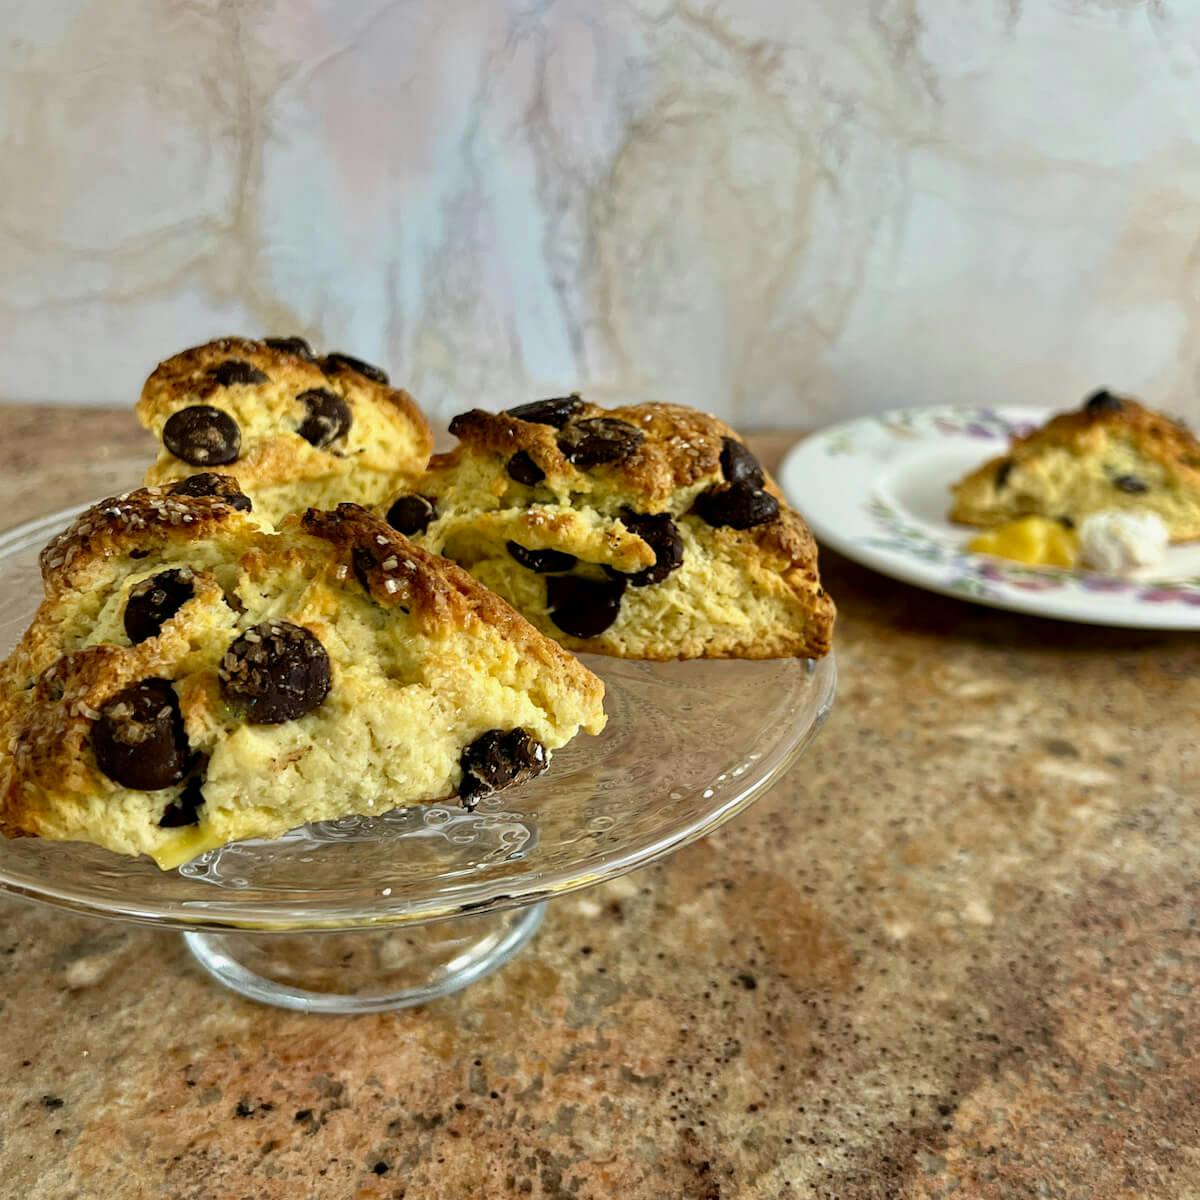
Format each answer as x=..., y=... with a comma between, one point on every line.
x=1036, y=541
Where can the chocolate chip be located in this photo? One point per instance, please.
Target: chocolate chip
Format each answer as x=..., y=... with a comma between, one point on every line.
x=362, y=562
x=738, y=465
x=275, y=672
x=138, y=739
x=208, y=484
x=155, y=601
x=595, y=441
x=557, y=411
x=327, y=417
x=292, y=345
x=1003, y=471
x=1103, y=401
x=203, y=436
x=542, y=561
x=524, y=470
x=498, y=759
x=1066, y=522
x=460, y=420
x=661, y=534
x=185, y=808
x=235, y=370
x=736, y=505
x=1131, y=484
x=332, y=363
x=583, y=607
x=412, y=514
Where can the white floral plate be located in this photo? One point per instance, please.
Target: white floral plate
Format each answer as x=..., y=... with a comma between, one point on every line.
x=876, y=489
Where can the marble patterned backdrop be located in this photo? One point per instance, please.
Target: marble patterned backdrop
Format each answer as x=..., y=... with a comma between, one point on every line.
x=782, y=210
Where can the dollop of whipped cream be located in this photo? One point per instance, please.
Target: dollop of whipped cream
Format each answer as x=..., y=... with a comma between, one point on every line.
x=1116, y=541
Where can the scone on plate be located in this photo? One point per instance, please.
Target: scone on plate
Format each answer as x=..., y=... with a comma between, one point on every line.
x=1111, y=454
x=191, y=680
x=296, y=430
x=647, y=532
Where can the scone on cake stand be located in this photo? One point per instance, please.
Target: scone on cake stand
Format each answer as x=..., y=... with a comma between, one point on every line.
x=387, y=906
x=296, y=430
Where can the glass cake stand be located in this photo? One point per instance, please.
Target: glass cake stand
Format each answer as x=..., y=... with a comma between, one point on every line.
x=366, y=914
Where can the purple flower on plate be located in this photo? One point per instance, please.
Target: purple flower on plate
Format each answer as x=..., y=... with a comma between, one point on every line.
x=1169, y=595
x=1103, y=583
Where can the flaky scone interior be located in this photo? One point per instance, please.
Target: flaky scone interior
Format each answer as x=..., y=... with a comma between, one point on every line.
x=648, y=531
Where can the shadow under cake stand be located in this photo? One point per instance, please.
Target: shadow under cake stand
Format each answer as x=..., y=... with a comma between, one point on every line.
x=367, y=914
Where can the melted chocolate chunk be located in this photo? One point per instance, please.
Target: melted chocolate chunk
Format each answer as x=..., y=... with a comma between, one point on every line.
x=185, y=808
x=333, y=363
x=1131, y=484
x=138, y=739
x=661, y=534
x=1003, y=471
x=275, y=672
x=292, y=345
x=1103, y=401
x=235, y=370
x=738, y=465
x=523, y=469
x=596, y=441
x=327, y=417
x=583, y=607
x=155, y=601
x=203, y=436
x=208, y=484
x=412, y=514
x=542, y=561
x=498, y=759
x=556, y=412
x=457, y=422
x=736, y=506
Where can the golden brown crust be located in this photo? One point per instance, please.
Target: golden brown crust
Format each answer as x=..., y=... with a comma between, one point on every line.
x=260, y=387
x=187, y=378
x=681, y=446
x=681, y=449
x=578, y=509
x=130, y=525
x=1160, y=438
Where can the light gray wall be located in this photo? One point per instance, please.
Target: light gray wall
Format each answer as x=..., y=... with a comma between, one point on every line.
x=784, y=210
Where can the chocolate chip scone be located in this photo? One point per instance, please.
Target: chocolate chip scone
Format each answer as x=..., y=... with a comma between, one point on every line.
x=295, y=430
x=644, y=532
x=1112, y=453
x=191, y=680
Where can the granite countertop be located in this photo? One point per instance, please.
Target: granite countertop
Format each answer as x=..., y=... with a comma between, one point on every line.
x=952, y=953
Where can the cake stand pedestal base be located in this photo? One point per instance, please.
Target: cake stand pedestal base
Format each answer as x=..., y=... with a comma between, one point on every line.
x=365, y=971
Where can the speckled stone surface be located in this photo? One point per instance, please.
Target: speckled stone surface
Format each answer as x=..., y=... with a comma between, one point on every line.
x=954, y=953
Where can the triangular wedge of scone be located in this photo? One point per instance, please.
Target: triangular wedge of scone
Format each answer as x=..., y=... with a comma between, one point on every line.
x=191, y=680
x=649, y=531
x=1113, y=453
x=295, y=430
